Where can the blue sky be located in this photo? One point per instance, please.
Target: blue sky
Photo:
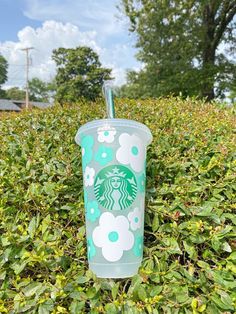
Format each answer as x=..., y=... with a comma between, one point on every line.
x=49, y=24
x=12, y=19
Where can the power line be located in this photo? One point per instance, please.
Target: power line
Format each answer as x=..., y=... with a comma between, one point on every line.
x=16, y=65
x=12, y=81
x=15, y=77
x=15, y=71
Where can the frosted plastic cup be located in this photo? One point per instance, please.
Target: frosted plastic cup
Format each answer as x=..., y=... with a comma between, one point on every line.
x=113, y=162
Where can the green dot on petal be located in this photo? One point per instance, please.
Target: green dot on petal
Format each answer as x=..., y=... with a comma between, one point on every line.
x=106, y=133
x=136, y=219
x=134, y=150
x=113, y=236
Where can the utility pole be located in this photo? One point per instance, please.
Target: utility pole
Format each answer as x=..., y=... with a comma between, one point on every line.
x=27, y=76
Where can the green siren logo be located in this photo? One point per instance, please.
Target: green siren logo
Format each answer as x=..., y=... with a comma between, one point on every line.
x=115, y=187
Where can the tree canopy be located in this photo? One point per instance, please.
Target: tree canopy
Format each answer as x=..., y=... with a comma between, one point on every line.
x=40, y=90
x=3, y=73
x=181, y=46
x=79, y=74
x=15, y=93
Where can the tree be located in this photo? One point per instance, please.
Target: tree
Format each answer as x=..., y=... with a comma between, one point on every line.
x=41, y=91
x=15, y=93
x=232, y=91
x=135, y=87
x=178, y=42
x=2, y=93
x=3, y=74
x=79, y=74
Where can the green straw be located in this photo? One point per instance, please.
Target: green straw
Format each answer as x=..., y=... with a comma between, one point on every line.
x=109, y=100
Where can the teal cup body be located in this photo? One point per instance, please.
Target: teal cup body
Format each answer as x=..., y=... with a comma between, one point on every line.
x=114, y=175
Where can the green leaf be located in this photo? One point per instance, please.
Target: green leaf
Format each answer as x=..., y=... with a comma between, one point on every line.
x=2, y=274
x=173, y=246
x=156, y=290
x=205, y=211
x=203, y=265
x=216, y=244
x=232, y=256
x=226, y=299
x=155, y=277
x=82, y=279
x=194, y=303
x=45, y=223
x=135, y=282
x=224, y=302
x=142, y=295
x=202, y=308
x=155, y=223
x=76, y=306
x=224, y=232
x=5, y=241
x=232, y=217
x=91, y=292
x=46, y=307
x=181, y=294
x=226, y=247
x=110, y=308
x=49, y=188
x=34, y=288
x=173, y=274
x=32, y=227
x=190, y=249
x=18, y=267
x=114, y=291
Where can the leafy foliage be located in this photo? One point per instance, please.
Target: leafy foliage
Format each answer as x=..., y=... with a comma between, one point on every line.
x=38, y=91
x=3, y=69
x=189, y=263
x=79, y=74
x=41, y=91
x=178, y=44
x=15, y=93
x=3, y=73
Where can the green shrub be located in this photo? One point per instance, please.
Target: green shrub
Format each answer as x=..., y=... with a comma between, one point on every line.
x=189, y=263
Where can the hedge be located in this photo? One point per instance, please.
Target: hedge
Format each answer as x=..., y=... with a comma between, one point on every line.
x=189, y=263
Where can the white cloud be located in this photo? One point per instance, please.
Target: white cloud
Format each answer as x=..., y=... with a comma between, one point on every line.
x=95, y=14
x=120, y=75
x=50, y=36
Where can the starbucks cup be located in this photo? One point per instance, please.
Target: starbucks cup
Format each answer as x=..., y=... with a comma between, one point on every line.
x=113, y=162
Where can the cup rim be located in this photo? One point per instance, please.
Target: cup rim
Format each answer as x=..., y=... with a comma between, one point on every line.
x=115, y=122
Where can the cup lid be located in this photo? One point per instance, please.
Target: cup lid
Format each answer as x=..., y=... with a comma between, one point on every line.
x=109, y=124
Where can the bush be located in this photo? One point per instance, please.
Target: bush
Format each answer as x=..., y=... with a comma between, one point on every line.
x=189, y=263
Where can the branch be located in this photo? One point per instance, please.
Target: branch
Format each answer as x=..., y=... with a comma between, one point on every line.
x=225, y=8
x=214, y=6
x=224, y=20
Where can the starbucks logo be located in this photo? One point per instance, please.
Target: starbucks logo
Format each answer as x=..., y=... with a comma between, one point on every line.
x=115, y=187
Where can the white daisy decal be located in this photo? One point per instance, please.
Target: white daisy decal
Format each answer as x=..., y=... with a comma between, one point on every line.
x=113, y=236
x=131, y=152
x=106, y=136
x=89, y=176
x=135, y=219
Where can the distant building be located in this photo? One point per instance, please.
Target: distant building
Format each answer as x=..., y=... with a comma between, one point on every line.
x=18, y=105
x=8, y=105
x=41, y=105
